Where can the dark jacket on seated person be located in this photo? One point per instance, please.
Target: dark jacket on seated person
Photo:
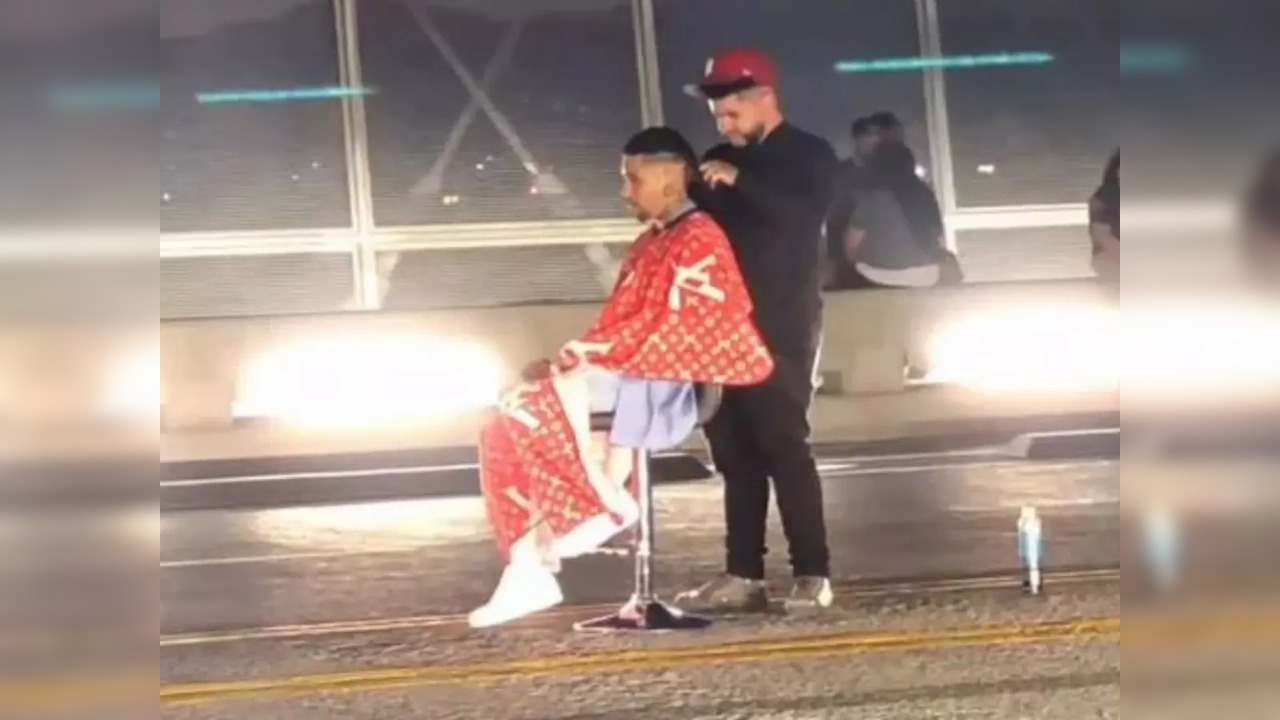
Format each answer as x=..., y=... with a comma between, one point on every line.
x=897, y=218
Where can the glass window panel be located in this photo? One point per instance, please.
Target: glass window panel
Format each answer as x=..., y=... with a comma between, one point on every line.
x=77, y=120
x=256, y=285
x=484, y=277
x=558, y=96
x=250, y=156
x=1198, y=123
x=1035, y=133
x=1025, y=254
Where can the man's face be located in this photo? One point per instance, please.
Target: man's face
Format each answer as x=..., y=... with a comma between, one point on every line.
x=650, y=186
x=864, y=146
x=740, y=118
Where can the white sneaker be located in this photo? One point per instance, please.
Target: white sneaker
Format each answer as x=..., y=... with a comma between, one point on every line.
x=522, y=591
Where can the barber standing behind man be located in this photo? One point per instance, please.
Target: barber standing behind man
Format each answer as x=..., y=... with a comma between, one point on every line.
x=770, y=187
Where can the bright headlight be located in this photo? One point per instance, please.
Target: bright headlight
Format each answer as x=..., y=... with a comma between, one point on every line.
x=133, y=387
x=1041, y=349
x=369, y=379
x=1160, y=349
x=1203, y=350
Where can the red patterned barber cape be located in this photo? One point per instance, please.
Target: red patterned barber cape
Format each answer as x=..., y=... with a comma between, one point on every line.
x=680, y=311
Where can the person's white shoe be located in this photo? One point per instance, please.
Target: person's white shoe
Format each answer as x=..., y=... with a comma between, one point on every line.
x=522, y=591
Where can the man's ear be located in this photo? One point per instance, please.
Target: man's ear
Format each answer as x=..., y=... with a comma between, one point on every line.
x=675, y=179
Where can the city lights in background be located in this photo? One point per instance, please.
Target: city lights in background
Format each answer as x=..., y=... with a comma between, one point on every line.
x=133, y=96
x=1150, y=58
x=367, y=380
x=336, y=92
x=946, y=62
x=1138, y=58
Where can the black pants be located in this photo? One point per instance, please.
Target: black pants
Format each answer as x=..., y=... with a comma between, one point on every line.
x=761, y=433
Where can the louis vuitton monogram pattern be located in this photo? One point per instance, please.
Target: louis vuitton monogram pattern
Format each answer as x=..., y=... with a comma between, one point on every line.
x=680, y=311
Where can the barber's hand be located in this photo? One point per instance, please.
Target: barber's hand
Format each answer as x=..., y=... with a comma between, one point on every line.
x=536, y=370
x=719, y=172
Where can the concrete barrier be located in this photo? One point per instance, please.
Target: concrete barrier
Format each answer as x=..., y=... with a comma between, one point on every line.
x=867, y=336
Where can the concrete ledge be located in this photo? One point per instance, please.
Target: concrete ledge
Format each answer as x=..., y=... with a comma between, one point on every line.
x=868, y=335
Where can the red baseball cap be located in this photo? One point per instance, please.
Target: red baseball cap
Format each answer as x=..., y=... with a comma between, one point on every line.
x=735, y=70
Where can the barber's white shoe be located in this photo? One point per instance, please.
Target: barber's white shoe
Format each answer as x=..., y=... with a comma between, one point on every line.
x=522, y=591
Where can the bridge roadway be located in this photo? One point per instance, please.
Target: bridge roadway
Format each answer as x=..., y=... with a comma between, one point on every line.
x=897, y=518
x=353, y=610
x=304, y=592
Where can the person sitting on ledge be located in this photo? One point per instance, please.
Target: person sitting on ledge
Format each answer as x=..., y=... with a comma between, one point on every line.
x=679, y=315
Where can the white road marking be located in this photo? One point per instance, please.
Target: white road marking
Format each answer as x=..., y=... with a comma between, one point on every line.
x=850, y=470
x=973, y=452
x=318, y=475
x=907, y=469
x=1041, y=504
x=285, y=557
x=823, y=463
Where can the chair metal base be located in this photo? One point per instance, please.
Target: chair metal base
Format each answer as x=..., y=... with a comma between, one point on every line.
x=645, y=616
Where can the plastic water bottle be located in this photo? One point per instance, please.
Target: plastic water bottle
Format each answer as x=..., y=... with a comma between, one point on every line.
x=1163, y=549
x=1031, y=548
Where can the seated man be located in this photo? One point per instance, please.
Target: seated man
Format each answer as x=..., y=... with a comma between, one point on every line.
x=679, y=314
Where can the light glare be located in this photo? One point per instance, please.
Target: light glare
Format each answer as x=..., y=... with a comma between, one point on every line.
x=365, y=380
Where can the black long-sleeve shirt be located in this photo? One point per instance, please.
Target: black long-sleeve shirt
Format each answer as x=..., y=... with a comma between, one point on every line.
x=774, y=217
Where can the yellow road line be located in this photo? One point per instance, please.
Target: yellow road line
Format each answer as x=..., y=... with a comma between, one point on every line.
x=1174, y=632
x=423, y=622
x=813, y=647
x=85, y=692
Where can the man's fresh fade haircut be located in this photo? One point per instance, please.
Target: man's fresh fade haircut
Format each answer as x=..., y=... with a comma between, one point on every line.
x=662, y=143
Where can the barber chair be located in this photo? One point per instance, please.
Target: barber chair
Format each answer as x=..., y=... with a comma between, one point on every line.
x=645, y=612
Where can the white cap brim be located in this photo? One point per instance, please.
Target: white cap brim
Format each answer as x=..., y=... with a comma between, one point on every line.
x=694, y=90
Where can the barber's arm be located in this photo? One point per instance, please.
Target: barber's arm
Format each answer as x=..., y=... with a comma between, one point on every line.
x=801, y=186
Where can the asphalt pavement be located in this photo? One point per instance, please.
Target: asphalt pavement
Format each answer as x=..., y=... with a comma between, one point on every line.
x=264, y=610
x=354, y=610
x=907, y=518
